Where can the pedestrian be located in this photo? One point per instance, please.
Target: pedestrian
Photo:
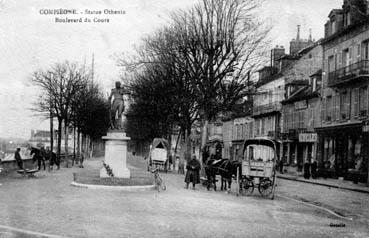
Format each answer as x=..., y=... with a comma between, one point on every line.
x=18, y=158
x=170, y=161
x=281, y=166
x=193, y=174
x=81, y=158
x=307, y=170
x=314, y=167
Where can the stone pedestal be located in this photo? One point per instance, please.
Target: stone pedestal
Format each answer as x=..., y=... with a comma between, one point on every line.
x=116, y=154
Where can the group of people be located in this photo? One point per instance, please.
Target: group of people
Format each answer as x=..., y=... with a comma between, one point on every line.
x=41, y=156
x=310, y=169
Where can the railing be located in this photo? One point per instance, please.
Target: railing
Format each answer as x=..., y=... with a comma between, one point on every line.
x=347, y=73
x=271, y=107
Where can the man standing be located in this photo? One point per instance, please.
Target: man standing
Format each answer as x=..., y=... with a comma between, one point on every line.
x=18, y=158
x=117, y=105
x=193, y=175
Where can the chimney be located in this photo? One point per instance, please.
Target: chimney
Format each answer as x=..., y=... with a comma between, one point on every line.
x=298, y=33
x=310, y=38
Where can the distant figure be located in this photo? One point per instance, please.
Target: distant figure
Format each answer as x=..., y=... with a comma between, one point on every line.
x=117, y=106
x=81, y=158
x=18, y=158
x=314, y=167
x=307, y=170
x=193, y=174
x=281, y=166
x=51, y=157
x=170, y=161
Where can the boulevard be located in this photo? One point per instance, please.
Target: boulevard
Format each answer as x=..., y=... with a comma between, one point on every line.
x=49, y=205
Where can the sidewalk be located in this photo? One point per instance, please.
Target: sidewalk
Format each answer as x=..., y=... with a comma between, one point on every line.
x=333, y=183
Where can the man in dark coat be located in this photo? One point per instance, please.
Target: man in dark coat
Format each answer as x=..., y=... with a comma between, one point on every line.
x=192, y=174
x=18, y=158
x=307, y=170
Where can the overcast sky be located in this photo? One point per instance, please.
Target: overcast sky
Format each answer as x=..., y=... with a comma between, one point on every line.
x=30, y=41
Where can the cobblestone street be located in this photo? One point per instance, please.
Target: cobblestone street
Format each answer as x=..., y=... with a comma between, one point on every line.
x=49, y=205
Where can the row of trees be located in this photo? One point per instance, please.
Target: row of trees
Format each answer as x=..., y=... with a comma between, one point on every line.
x=69, y=94
x=196, y=67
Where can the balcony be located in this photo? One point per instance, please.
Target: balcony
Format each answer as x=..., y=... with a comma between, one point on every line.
x=267, y=108
x=346, y=74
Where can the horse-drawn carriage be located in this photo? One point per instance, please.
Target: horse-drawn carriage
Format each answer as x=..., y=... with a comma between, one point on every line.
x=158, y=155
x=258, y=167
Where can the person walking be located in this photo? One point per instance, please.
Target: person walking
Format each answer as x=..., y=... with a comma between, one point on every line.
x=193, y=172
x=307, y=170
x=18, y=158
x=314, y=167
x=81, y=158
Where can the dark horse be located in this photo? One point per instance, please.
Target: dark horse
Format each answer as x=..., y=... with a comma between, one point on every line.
x=223, y=167
x=38, y=157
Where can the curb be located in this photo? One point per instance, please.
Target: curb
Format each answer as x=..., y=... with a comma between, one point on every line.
x=115, y=188
x=326, y=185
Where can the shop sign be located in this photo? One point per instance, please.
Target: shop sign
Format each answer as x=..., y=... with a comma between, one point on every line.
x=365, y=126
x=308, y=137
x=300, y=104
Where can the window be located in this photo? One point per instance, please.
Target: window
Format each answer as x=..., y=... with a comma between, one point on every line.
x=329, y=108
x=333, y=26
x=331, y=66
x=363, y=102
x=358, y=51
x=355, y=102
x=344, y=106
x=365, y=50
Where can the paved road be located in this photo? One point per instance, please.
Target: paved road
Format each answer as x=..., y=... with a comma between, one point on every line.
x=49, y=205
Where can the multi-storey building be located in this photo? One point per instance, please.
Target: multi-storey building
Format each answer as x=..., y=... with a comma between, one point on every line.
x=243, y=128
x=286, y=74
x=343, y=140
x=301, y=108
x=301, y=114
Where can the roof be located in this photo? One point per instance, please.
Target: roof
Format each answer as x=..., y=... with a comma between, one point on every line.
x=302, y=94
x=42, y=134
x=319, y=72
x=257, y=141
x=160, y=143
x=334, y=11
x=345, y=30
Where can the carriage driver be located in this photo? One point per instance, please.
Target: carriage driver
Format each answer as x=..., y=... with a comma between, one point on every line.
x=117, y=106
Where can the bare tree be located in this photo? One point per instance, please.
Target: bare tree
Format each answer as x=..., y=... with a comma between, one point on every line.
x=221, y=43
x=59, y=85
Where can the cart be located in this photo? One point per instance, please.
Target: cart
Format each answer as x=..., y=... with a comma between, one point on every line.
x=158, y=155
x=258, y=167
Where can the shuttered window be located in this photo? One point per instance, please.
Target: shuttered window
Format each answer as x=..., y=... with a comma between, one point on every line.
x=355, y=100
x=363, y=102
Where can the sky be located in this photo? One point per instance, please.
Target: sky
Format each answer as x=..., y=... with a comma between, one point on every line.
x=30, y=41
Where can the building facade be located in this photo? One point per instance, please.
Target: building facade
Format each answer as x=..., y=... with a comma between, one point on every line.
x=343, y=140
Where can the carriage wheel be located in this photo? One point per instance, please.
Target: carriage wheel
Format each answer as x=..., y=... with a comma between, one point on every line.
x=246, y=186
x=265, y=187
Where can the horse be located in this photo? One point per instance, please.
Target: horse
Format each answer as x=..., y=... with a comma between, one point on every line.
x=38, y=156
x=223, y=167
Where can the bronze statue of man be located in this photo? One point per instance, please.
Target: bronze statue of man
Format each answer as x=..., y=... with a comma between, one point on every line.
x=117, y=106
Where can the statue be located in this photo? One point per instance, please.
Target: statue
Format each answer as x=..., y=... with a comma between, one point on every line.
x=117, y=106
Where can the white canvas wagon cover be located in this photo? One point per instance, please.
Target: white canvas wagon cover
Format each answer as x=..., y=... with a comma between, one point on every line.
x=159, y=150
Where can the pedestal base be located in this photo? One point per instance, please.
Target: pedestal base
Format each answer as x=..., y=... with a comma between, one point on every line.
x=115, y=155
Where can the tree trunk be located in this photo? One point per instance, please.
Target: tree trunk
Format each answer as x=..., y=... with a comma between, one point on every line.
x=51, y=132
x=169, y=147
x=60, y=121
x=204, y=135
x=78, y=144
x=66, y=134
x=175, y=150
x=74, y=145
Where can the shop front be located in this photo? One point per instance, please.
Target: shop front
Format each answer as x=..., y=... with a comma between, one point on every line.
x=343, y=150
